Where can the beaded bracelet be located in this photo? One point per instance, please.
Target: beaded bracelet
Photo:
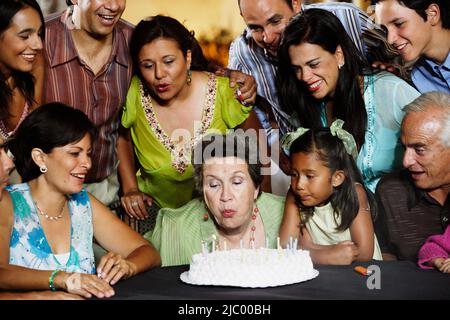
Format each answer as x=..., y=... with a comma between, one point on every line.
x=51, y=284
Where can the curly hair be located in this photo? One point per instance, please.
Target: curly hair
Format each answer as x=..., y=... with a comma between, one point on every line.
x=236, y=144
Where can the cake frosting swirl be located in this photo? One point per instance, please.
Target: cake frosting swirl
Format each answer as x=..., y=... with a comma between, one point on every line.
x=254, y=268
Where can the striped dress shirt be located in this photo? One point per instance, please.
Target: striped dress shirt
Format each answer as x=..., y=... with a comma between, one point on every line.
x=246, y=56
x=101, y=96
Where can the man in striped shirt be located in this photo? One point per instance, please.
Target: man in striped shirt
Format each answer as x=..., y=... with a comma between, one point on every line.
x=254, y=52
x=88, y=67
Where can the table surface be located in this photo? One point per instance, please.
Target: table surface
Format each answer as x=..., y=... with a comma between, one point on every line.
x=397, y=280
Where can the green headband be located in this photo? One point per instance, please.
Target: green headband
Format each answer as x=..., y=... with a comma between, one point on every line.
x=335, y=129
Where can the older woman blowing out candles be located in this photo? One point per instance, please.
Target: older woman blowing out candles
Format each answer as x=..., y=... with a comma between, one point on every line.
x=232, y=212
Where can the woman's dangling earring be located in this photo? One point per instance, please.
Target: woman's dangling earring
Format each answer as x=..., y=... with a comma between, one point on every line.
x=189, y=77
x=253, y=227
x=340, y=66
x=43, y=169
x=255, y=212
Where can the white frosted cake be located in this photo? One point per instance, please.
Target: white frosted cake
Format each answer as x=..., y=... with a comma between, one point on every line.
x=254, y=268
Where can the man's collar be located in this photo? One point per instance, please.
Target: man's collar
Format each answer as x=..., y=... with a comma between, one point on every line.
x=64, y=47
x=66, y=51
x=417, y=194
x=446, y=63
x=430, y=65
x=120, y=52
x=273, y=60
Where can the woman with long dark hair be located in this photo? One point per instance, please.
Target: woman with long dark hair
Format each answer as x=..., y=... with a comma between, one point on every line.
x=21, y=72
x=322, y=77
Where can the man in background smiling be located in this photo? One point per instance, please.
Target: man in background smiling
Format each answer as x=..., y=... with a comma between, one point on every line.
x=89, y=68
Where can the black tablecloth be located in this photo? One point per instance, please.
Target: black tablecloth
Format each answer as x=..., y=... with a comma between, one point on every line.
x=398, y=280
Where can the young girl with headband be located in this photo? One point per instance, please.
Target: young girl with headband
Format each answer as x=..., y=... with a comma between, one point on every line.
x=327, y=207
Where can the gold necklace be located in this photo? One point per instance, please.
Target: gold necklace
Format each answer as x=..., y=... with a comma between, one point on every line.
x=52, y=218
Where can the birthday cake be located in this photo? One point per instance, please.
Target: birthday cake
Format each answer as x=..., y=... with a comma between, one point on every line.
x=253, y=268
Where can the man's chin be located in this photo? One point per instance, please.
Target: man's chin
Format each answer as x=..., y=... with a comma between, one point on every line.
x=272, y=52
x=423, y=184
x=419, y=180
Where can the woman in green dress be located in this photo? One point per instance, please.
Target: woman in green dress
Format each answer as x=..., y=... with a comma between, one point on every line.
x=171, y=104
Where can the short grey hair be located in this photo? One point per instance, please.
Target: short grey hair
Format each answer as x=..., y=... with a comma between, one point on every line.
x=434, y=100
x=235, y=144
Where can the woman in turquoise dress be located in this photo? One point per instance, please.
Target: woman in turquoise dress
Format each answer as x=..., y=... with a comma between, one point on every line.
x=49, y=221
x=231, y=212
x=171, y=104
x=323, y=77
x=6, y=165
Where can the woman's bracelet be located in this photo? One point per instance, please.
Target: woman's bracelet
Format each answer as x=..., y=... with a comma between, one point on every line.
x=51, y=280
